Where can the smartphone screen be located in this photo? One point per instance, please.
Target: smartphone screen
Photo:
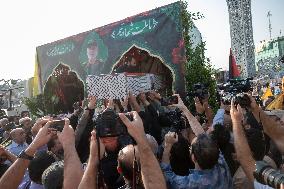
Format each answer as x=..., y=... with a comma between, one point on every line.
x=173, y=99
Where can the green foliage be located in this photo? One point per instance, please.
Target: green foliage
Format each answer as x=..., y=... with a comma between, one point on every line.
x=35, y=105
x=42, y=104
x=198, y=67
x=2, y=114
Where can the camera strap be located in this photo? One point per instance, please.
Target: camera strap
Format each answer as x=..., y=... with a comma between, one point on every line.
x=136, y=171
x=260, y=122
x=100, y=179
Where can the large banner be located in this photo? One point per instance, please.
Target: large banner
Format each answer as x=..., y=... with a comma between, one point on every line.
x=158, y=32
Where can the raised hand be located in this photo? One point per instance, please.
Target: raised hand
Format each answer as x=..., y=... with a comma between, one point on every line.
x=67, y=136
x=170, y=138
x=124, y=103
x=2, y=151
x=142, y=97
x=92, y=102
x=135, y=128
x=180, y=103
x=39, y=124
x=94, y=147
x=198, y=106
x=43, y=136
x=110, y=104
x=236, y=113
x=132, y=98
x=156, y=95
x=253, y=104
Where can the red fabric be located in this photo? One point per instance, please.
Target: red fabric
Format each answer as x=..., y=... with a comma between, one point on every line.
x=178, y=53
x=233, y=67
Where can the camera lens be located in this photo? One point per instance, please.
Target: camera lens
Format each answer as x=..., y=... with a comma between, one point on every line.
x=267, y=175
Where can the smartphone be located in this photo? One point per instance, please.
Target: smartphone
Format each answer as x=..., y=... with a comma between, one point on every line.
x=57, y=125
x=173, y=99
x=169, y=101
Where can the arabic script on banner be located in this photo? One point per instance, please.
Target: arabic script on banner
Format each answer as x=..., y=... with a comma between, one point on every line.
x=61, y=49
x=136, y=28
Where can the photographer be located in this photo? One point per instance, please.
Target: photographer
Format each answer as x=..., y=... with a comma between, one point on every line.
x=202, y=106
x=151, y=121
x=113, y=142
x=193, y=122
x=272, y=128
x=241, y=145
x=84, y=128
x=211, y=170
x=152, y=176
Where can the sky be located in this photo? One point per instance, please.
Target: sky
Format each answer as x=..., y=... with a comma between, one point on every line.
x=31, y=23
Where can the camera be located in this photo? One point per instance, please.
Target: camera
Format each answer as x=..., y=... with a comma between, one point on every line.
x=169, y=101
x=199, y=90
x=237, y=86
x=58, y=125
x=243, y=100
x=174, y=120
x=235, y=89
x=265, y=174
x=109, y=124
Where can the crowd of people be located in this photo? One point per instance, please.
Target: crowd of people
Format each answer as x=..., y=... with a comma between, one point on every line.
x=139, y=142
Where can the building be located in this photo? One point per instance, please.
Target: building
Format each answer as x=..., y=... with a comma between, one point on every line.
x=12, y=93
x=222, y=76
x=267, y=57
x=242, y=43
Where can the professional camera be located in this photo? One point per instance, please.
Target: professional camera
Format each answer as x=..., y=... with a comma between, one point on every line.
x=174, y=120
x=235, y=89
x=108, y=124
x=265, y=174
x=199, y=90
x=237, y=86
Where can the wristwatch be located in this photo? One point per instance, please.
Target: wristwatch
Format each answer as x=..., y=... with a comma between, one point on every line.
x=23, y=155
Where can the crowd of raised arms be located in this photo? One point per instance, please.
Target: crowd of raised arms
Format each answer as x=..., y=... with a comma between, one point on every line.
x=143, y=142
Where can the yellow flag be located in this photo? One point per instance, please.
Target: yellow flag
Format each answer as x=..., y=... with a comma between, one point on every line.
x=267, y=94
x=36, y=82
x=277, y=103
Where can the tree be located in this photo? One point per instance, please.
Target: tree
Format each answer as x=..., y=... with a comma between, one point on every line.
x=198, y=67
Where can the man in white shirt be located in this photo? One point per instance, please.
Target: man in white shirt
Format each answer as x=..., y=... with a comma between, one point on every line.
x=18, y=144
